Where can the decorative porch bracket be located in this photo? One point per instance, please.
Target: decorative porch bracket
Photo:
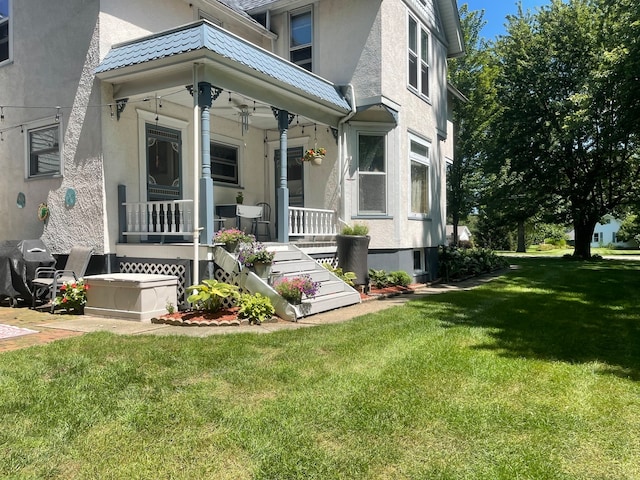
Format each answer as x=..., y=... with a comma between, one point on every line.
x=120, y=105
x=284, y=119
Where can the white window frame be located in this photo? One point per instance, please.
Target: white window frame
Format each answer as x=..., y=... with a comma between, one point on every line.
x=384, y=135
x=233, y=143
x=293, y=49
x=426, y=161
x=39, y=126
x=9, y=22
x=421, y=57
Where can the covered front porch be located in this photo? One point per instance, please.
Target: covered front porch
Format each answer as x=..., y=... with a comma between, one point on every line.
x=215, y=114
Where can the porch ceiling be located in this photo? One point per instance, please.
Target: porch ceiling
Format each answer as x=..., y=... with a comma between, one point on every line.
x=164, y=62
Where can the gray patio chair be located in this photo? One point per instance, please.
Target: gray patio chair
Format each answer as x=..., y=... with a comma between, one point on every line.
x=48, y=280
x=263, y=223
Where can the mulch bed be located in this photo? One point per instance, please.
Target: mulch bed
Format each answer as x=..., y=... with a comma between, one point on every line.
x=380, y=293
x=227, y=317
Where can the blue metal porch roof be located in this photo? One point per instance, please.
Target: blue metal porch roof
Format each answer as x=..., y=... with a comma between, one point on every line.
x=203, y=35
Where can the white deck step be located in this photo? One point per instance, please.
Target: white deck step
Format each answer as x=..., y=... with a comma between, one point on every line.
x=290, y=261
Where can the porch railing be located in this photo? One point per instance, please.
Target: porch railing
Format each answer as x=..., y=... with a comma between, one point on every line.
x=166, y=217
x=307, y=222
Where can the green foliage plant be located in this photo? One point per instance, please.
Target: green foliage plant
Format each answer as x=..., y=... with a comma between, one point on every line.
x=399, y=278
x=456, y=264
x=210, y=294
x=73, y=296
x=356, y=229
x=379, y=278
x=171, y=308
x=346, y=277
x=257, y=308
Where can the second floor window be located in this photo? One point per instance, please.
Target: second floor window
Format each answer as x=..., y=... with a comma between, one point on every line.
x=418, y=57
x=301, y=39
x=4, y=30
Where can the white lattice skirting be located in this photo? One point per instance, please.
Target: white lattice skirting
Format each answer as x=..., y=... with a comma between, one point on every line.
x=176, y=269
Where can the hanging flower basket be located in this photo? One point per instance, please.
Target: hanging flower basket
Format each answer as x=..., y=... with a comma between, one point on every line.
x=314, y=155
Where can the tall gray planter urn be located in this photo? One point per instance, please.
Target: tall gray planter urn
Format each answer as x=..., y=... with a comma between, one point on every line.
x=353, y=253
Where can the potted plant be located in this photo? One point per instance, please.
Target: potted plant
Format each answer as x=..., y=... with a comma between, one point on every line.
x=314, y=155
x=73, y=296
x=293, y=289
x=255, y=255
x=232, y=237
x=353, y=250
x=240, y=198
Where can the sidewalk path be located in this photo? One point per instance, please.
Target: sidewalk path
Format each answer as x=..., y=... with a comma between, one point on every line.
x=51, y=327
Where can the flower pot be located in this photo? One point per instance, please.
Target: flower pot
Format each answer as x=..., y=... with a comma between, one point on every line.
x=262, y=269
x=352, y=251
x=231, y=247
x=317, y=160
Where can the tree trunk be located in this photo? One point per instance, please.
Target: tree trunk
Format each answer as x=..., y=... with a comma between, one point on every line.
x=522, y=247
x=583, y=235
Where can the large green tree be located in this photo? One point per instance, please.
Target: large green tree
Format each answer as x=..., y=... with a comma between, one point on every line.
x=474, y=76
x=564, y=127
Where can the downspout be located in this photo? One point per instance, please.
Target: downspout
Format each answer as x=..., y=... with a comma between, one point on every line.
x=196, y=179
x=342, y=147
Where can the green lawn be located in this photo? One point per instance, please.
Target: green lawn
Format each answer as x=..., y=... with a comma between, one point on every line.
x=535, y=375
x=558, y=252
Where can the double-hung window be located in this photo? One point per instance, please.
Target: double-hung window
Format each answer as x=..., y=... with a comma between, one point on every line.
x=43, y=148
x=419, y=56
x=301, y=39
x=224, y=163
x=5, y=50
x=420, y=186
x=372, y=174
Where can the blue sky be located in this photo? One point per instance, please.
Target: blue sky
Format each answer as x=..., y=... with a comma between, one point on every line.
x=495, y=12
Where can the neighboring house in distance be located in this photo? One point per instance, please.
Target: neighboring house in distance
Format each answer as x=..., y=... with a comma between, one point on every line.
x=135, y=121
x=464, y=234
x=605, y=234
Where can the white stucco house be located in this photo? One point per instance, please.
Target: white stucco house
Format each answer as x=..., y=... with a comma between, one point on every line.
x=605, y=234
x=136, y=121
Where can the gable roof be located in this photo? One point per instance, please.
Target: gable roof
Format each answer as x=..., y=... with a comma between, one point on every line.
x=211, y=40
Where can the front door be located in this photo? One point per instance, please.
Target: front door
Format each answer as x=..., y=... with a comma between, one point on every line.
x=163, y=163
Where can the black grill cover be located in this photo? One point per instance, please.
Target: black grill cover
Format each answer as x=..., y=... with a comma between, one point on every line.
x=18, y=262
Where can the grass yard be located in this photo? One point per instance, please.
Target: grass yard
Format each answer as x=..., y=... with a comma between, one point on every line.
x=535, y=375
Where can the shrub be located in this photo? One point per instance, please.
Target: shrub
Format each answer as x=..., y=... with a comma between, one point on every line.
x=545, y=247
x=400, y=278
x=379, y=278
x=257, y=308
x=346, y=277
x=210, y=293
x=456, y=263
